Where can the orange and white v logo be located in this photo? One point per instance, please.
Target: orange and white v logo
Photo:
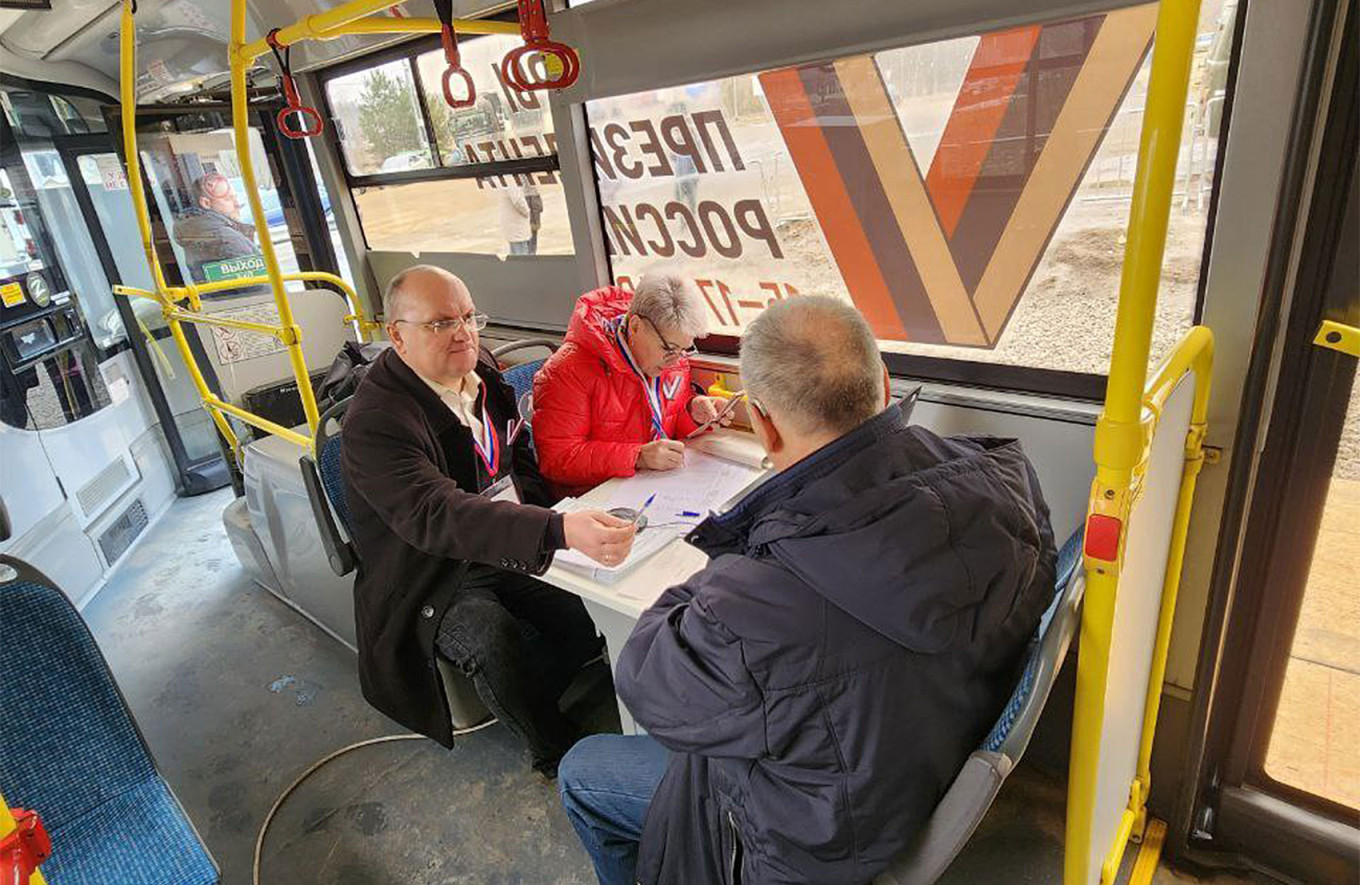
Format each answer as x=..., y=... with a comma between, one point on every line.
x=945, y=257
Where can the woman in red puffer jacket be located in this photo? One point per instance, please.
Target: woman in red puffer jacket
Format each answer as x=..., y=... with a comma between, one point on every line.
x=617, y=396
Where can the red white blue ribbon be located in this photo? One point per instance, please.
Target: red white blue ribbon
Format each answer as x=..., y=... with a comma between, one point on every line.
x=488, y=443
x=651, y=386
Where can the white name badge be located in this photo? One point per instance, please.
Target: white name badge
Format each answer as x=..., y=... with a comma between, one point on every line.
x=502, y=489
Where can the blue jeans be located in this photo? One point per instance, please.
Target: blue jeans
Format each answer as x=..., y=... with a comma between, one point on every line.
x=607, y=782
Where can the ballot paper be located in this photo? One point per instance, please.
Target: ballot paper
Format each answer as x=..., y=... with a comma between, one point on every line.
x=704, y=485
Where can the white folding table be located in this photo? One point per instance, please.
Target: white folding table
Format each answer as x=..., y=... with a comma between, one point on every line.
x=616, y=606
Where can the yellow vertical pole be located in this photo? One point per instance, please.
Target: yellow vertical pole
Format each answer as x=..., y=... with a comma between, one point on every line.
x=128, y=99
x=241, y=127
x=7, y=826
x=1120, y=443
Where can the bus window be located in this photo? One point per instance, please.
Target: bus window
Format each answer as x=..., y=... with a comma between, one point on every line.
x=81, y=262
x=198, y=189
x=504, y=124
x=971, y=196
x=385, y=110
x=379, y=123
x=490, y=215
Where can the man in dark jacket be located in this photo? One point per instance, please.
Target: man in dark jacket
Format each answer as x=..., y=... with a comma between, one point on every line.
x=812, y=692
x=436, y=473
x=211, y=229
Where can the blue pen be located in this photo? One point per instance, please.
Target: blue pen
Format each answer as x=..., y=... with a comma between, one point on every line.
x=643, y=508
x=687, y=513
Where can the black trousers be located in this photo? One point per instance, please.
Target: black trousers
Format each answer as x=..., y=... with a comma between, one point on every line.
x=520, y=677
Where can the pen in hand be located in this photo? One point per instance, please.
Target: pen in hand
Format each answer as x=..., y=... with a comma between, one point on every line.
x=643, y=509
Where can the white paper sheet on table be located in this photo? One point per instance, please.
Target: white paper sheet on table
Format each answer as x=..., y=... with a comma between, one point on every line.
x=705, y=483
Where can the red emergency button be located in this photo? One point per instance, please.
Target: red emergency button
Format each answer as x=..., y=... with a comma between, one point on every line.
x=1102, y=537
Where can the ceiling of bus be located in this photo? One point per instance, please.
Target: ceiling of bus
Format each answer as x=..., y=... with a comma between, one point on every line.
x=181, y=44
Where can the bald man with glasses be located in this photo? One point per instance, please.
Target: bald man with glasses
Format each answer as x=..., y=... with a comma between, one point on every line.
x=617, y=397
x=451, y=523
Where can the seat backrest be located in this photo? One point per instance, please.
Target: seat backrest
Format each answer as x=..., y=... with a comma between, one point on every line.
x=68, y=742
x=1012, y=731
x=328, y=465
x=975, y=787
x=325, y=485
x=521, y=378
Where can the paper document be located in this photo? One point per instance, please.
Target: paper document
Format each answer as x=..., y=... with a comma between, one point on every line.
x=704, y=484
x=647, y=542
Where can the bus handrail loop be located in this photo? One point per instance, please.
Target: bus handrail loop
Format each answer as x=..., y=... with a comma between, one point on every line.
x=533, y=23
x=447, y=36
x=311, y=123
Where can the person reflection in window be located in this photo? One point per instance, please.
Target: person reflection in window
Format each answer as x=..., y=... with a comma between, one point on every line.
x=211, y=230
x=521, y=210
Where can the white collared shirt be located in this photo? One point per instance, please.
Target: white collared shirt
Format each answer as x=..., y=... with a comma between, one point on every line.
x=461, y=400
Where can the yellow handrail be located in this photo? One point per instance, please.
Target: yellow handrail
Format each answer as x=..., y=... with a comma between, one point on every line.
x=322, y=25
x=1123, y=437
x=240, y=121
x=128, y=98
x=384, y=25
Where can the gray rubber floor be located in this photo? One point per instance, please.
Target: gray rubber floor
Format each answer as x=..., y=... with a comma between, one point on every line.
x=237, y=695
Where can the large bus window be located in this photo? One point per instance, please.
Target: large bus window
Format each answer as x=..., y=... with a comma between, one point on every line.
x=199, y=191
x=379, y=124
x=504, y=124
x=971, y=196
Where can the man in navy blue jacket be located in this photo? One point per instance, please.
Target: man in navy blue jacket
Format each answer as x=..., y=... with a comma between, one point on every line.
x=810, y=695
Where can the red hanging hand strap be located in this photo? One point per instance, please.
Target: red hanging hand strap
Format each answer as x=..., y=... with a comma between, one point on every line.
x=310, y=120
x=444, y=8
x=533, y=27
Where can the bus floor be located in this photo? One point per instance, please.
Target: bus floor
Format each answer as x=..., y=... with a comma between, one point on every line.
x=237, y=694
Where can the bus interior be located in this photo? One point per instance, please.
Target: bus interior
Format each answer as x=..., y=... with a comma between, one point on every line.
x=1124, y=233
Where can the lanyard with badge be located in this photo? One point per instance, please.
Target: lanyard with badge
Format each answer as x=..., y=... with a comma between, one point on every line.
x=651, y=386
x=488, y=446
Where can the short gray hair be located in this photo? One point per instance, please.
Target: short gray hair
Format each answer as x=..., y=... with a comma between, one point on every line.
x=815, y=360
x=671, y=302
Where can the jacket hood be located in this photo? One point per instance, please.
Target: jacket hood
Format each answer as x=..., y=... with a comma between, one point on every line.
x=588, y=326
x=922, y=539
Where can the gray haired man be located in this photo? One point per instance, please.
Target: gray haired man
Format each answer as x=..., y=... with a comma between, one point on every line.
x=812, y=692
x=617, y=396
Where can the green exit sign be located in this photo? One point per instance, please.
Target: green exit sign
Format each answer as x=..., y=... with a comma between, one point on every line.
x=234, y=268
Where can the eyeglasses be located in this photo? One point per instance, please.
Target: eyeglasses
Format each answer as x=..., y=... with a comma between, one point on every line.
x=475, y=321
x=673, y=351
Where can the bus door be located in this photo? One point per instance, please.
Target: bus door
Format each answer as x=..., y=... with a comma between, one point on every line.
x=1281, y=780
x=100, y=188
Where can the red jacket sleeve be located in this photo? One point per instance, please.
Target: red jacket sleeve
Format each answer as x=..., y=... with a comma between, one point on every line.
x=567, y=455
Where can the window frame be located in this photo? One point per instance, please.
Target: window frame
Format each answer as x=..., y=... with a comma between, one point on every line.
x=410, y=51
